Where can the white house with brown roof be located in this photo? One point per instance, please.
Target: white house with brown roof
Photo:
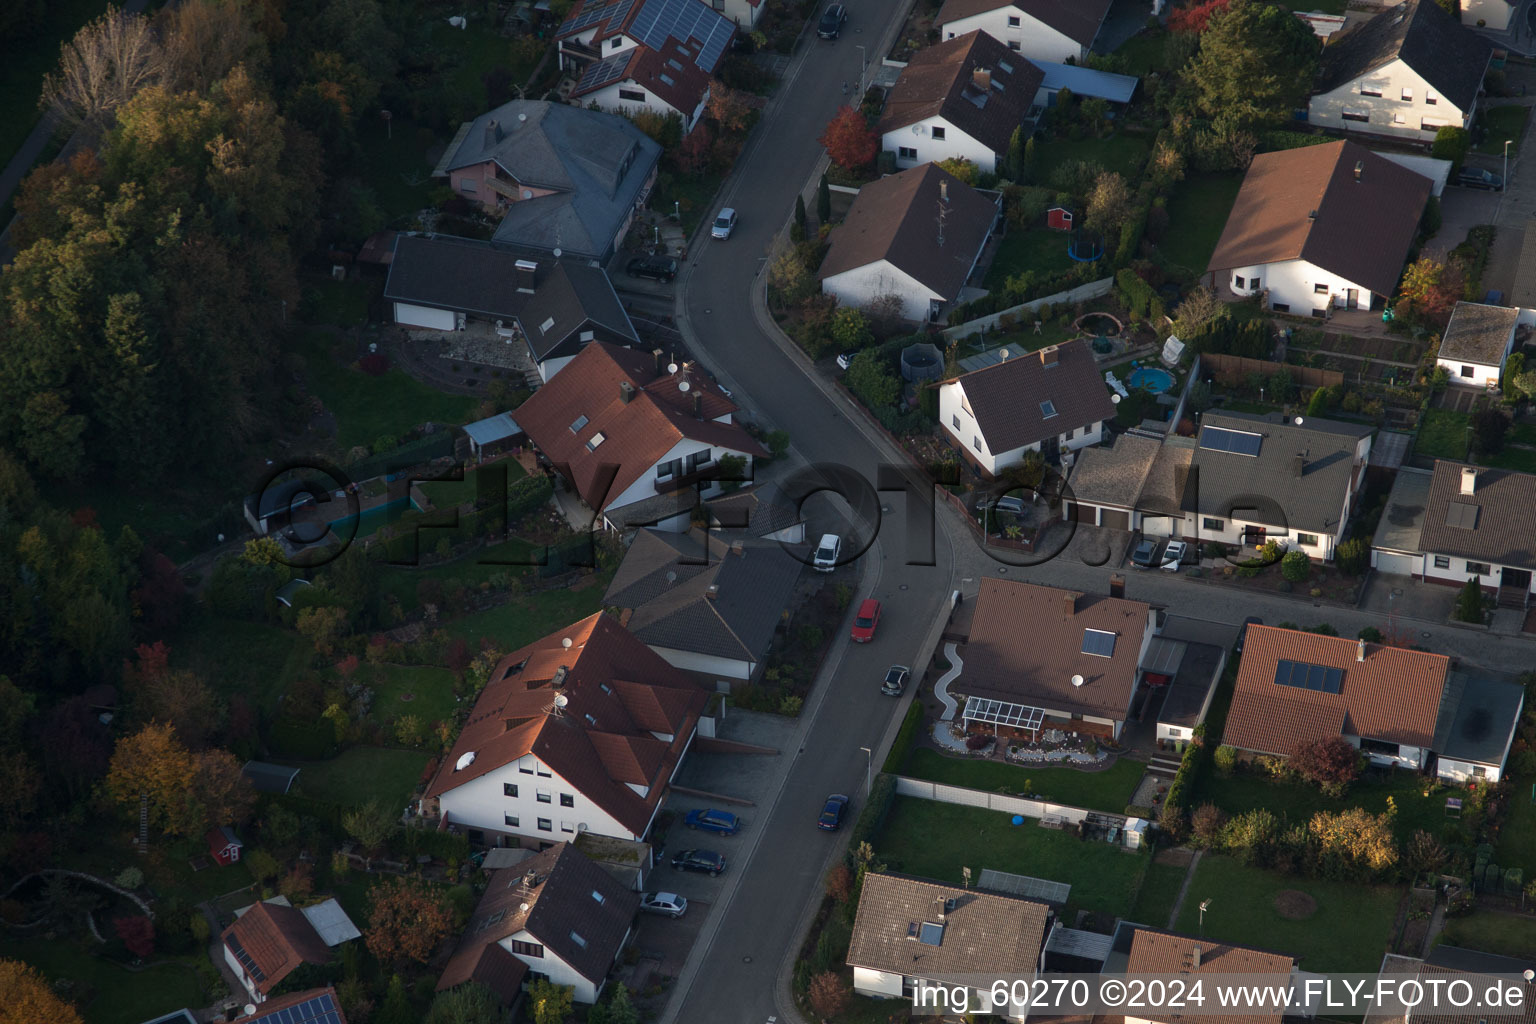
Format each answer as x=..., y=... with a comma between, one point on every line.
x=1476, y=343
x=1051, y=30
x=909, y=931
x=1480, y=523
x=1295, y=231
x=580, y=731
x=961, y=98
x=1049, y=401
x=916, y=234
x=1139, y=950
x=268, y=941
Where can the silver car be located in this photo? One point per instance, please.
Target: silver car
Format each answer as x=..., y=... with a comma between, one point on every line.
x=668, y=903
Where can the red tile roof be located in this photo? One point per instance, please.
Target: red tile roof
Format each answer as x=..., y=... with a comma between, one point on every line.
x=1393, y=695
x=1165, y=953
x=277, y=939
x=628, y=691
x=637, y=433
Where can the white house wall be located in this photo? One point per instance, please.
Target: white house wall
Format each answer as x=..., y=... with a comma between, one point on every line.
x=705, y=664
x=743, y=12
x=1482, y=375
x=1462, y=771
x=608, y=98
x=1293, y=283
x=861, y=285
x=482, y=804
x=968, y=433
x=645, y=486
x=554, y=967
x=924, y=148
x=239, y=972
x=1458, y=573
x=1034, y=39
x=549, y=367
x=410, y=315
x=1492, y=14
x=1389, y=113
x=882, y=984
x=608, y=47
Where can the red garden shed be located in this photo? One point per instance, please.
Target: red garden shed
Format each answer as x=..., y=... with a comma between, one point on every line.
x=1058, y=218
x=224, y=844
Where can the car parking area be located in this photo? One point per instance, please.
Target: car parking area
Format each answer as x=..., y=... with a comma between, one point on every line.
x=665, y=941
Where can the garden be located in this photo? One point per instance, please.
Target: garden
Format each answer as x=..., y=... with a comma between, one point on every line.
x=1110, y=789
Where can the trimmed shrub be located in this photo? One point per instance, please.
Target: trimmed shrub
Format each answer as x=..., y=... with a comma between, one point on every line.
x=881, y=795
x=896, y=760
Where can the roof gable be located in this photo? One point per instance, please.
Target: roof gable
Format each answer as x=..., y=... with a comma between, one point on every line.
x=1439, y=49
x=951, y=930
x=271, y=940
x=1037, y=395
x=1078, y=20
x=974, y=82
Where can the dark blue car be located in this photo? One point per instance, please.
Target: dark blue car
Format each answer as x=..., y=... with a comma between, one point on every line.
x=832, y=813
x=723, y=822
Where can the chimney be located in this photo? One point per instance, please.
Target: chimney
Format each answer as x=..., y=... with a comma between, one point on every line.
x=1468, y=480
x=626, y=391
x=492, y=132
x=1069, y=604
x=1360, y=650
x=713, y=591
x=1117, y=586
x=738, y=548
x=530, y=879
x=1312, y=215
x=1195, y=960
x=981, y=78
x=527, y=272
x=659, y=363
x=698, y=405
x=1300, y=465
x=1359, y=169
x=944, y=191
x=624, y=616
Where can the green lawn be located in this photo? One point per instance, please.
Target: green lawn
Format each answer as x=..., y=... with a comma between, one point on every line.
x=476, y=50
x=1500, y=123
x=1442, y=434
x=1521, y=459
x=1349, y=931
x=367, y=407
x=25, y=62
x=253, y=659
x=404, y=584
x=1145, y=52
x=394, y=167
x=1109, y=790
x=1298, y=801
x=524, y=620
x=1522, y=433
x=935, y=840
x=342, y=303
x=1123, y=153
x=430, y=693
x=1038, y=249
x=1517, y=838
x=106, y=993
x=693, y=195
x=1196, y=214
x=1492, y=932
x=361, y=773
x=1159, y=892
x=1023, y=339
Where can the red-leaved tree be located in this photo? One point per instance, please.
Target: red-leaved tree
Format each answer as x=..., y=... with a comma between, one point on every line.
x=849, y=139
x=137, y=933
x=1331, y=763
x=1196, y=16
x=406, y=921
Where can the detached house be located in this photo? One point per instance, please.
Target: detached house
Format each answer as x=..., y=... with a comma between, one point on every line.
x=580, y=731
x=657, y=55
x=1404, y=74
x=556, y=915
x=267, y=942
x=961, y=98
x=917, y=235
x=1476, y=342
x=1049, y=401
x=1051, y=30
x=637, y=438
x=1480, y=523
x=1139, y=950
x=1297, y=231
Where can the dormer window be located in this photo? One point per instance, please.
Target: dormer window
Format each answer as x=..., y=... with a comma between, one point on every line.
x=581, y=421
x=598, y=896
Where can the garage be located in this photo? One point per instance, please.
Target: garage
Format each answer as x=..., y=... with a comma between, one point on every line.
x=409, y=315
x=1116, y=519
x=1084, y=513
x=1395, y=562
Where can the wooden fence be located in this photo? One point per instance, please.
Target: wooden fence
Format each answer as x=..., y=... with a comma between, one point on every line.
x=1231, y=370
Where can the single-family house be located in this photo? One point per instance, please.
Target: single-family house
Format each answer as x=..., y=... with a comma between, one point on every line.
x=1294, y=233
x=743, y=12
x=1187, y=671
x=909, y=931
x=1476, y=727
x=556, y=915
x=1445, y=965
x=1494, y=14
x=658, y=55
x=916, y=234
x=563, y=179
x=1104, y=481
x=1480, y=523
x=1049, y=401
x=1258, y=478
x=762, y=511
x=553, y=308
x=638, y=439
x=1137, y=950
x=1076, y=668
x=1475, y=343
x=1404, y=74
x=267, y=942
x=312, y=1006
x=579, y=731
x=223, y=845
x=709, y=603
x=961, y=98
x=1054, y=30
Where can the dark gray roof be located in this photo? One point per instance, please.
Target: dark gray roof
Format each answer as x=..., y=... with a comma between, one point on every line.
x=270, y=778
x=1502, y=530
x=1191, y=685
x=577, y=297
x=597, y=163
x=1478, y=333
x=1312, y=500
x=1009, y=400
x=1451, y=58
x=767, y=508
x=1476, y=962
x=1477, y=718
x=665, y=579
x=1403, y=520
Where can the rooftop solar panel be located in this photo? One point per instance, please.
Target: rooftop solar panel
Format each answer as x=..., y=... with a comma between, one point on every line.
x=1302, y=676
x=1461, y=515
x=319, y=1010
x=682, y=20
x=1238, y=442
x=591, y=14
x=1098, y=642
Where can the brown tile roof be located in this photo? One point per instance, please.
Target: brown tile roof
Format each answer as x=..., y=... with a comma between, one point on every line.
x=636, y=433
x=628, y=691
x=1451, y=58
x=1478, y=333
x=1006, y=398
x=1452, y=962
x=941, y=80
x=567, y=897
x=1270, y=222
x=1163, y=490
x=276, y=939
x=1076, y=19
x=1035, y=666
x=1393, y=695
x=683, y=86
x=984, y=933
x=896, y=219
x=1113, y=475
x=1161, y=952
x=1503, y=527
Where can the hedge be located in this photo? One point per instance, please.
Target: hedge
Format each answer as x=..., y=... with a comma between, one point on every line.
x=896, y=760
x=1277, y=139
x=442, y=845
x=1138, y=295
x=882, y=793
x=526, y=494
x=1131, y=233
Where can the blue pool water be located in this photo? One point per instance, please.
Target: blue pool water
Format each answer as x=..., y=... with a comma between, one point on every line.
x=1152, y=379
x=371, y=519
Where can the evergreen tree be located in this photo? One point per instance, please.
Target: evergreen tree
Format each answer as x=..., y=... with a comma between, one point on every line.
x=823, y=202
x=1014, y=164
x=1469, y=605
x=1255, y=65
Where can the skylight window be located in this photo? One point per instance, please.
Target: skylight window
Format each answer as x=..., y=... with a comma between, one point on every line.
x=546, y=325
x=1099, y=643
x=1461, y=515
x=598, y=896
x=578, y=940
x=667, y=79
x=597, y=439
x=931, y=934
x=1047, y=409
x=1005, y=67
x=581, y=421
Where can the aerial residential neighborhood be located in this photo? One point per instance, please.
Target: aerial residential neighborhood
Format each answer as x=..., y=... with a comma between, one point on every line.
x=740, y=511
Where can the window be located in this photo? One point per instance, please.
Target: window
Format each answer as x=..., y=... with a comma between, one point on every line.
x=586, y=336
x=938, y=134
x=597, y=439
x=1407, y=95
x=468, y=185
x=976, y=442
x=672, y=467
x=511, y=821
x=1371, y=746
x=1479, y=569
x=1253, y=283
x=615, y=42
x=698, y=459
x=546, y=325
x=567, y=800
x=1013, y=21
x=1175, y=732
x=1237, y=282
x=1356, y=115
x=509, y=789
x=525, y=769
x=541, y=771
x=1370, y=90
x=1307, y=539
x=522, y=948
x=545, y=825
x=632, y=95
x=906, y=153
x=1467, y=371
x=1280, y=307
x=1432, y=124
x=1071, y=433
x=598, y=896
x=1319, y=289
x=1479, y=772
x=1013, y=44
x=1319, y=313
x=1047, y=409
x=577, y=424
x=545, y=796
x=1430, y=97
x=1217, y=525
x=954, y=420
x=566, y=826
x=578, y=940
x=1399, y=119
x=1442, y=561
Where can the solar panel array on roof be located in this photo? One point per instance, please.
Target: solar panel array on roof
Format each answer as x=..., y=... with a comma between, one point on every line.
x=319, y=1010
x=245, y=959
x=1303, y=676
x=601, y=72
x=930, y=934
x=660, y=20
x=1461, y=515
x=591, y=14
x=1023, y=885
x=980, y=709
x=1099, y=642
x=1238, y=442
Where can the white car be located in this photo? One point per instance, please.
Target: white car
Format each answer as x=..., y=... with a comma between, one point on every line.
x=724, y=224
x=827, y=550
x=669, y=903
x=1173, y=554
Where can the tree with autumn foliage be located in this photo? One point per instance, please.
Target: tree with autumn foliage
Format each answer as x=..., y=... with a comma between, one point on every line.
x=849, y=139
x=1431, y=288
x=1331, y=763
x=27, y=998
x=1354, y=842
x=152, y=763
x=406, y=920
x=729, y=109
x=221, y=792
x=137, y=933
x=829, y=995
x=1194, y=17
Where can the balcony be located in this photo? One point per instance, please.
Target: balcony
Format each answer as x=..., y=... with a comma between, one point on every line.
x=503, y=188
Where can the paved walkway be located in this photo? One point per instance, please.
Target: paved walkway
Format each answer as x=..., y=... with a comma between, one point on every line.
x=1189, y=877
x=941, y=688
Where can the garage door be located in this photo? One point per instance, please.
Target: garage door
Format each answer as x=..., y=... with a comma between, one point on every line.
x=1084, y=513
x=1115, y=519
x=424, y=316
x=1387, y=561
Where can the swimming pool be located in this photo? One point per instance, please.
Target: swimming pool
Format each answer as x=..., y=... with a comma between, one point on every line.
x=1152, y=379
x=369, y=520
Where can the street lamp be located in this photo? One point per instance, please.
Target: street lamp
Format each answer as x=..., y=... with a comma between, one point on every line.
x=869, y=760
x=1506, y=163
x=1205, y=905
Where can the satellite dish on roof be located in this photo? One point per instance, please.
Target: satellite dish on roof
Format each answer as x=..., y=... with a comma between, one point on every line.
x=1002, y=354
x=671, y=367
x=250, y=1008
x=1298, y=421
x=1115, y=399
x=1077, y=680
x=557, y=252
x=682, y=385
x=523, y=907
x=522, y=117
x=464, y=761
x=671, y=576
x=561, y=700
x=566, y=643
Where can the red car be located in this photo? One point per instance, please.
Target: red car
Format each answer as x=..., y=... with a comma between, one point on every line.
x=868, y=618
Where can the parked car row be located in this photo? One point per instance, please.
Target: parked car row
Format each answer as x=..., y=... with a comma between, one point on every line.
x=1151, y=553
